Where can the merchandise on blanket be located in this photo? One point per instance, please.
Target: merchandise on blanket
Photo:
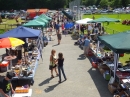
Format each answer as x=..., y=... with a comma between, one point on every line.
x=106, y=75
x=111, y=88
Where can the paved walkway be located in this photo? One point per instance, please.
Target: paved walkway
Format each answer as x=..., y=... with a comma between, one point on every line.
x=83, y=80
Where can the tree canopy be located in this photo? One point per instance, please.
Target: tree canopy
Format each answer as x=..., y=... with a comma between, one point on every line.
x=56, y=4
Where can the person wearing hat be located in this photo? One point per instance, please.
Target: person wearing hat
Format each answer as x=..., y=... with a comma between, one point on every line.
x=5, y=85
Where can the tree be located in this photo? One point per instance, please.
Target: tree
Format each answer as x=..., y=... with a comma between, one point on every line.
x=103, y=3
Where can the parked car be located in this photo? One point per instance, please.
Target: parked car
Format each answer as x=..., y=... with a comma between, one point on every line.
x=88, y=12
x=104, y=11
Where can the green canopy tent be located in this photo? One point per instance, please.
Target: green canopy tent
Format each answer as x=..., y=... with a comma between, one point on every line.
x=67, y=15
x=44, y=17
x=42, y=20
x=118, y=43
x=103, y=19
x=34, y=23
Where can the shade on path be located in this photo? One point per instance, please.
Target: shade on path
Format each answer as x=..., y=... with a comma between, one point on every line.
x=83, y=81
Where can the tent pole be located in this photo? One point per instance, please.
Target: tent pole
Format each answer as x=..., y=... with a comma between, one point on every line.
x=97, y=47
x=116, y=59
x=79, y=29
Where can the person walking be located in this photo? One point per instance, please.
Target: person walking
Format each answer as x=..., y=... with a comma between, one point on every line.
x=86, y=45
x=60, y=66
x=59, y=36
x=53, y=62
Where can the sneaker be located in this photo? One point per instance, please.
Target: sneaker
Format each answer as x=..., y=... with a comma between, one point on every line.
x=57, y=74
x=65, y=79
x=52, y=76
x=59, y=81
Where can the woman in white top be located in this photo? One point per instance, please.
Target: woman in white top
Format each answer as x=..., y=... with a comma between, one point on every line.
x=53, y=62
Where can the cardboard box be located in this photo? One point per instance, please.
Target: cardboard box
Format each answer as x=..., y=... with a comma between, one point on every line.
x=105, y=67
x=111, y=88
x=21, y=90
x=101, y=71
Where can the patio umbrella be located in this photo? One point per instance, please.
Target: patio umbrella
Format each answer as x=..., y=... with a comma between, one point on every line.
x=103, y=19
x=10, y=42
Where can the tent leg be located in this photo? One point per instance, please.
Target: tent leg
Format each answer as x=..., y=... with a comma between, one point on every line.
x=116, y=59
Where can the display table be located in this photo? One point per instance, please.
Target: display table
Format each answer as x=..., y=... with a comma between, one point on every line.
x=10, y=58
x=20, y=81
x=29, y=94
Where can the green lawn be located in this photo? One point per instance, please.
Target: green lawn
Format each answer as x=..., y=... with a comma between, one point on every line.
x=115, y=28
x=5, y=25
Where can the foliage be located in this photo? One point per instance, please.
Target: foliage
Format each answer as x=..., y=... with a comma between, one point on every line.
x=56, y=4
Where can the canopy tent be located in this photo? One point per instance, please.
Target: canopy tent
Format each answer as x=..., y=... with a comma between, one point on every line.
x=42, y=20
x=69, y=25
x=36, y=17
x=43, y=11
x=83, y=21
x=67, y=15
x=45, y=17
x=34, y=23
x=104, y=19
x=119, y=43
x=21, y=32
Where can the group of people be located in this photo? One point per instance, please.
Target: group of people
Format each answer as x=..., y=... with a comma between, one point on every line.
x=57, y=62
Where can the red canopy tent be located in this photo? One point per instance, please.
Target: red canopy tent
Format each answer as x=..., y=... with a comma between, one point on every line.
x=35, y=12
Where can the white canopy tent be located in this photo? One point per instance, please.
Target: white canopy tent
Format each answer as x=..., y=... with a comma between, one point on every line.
x=83, y=21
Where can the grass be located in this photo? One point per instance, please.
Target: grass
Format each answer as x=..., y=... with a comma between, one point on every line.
x=6, y=24
x=115, y=28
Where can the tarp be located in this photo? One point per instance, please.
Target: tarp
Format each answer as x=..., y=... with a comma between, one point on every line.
x=34, y=23
x=44, y=17
x=83, y=21
x=67, y=15
x=104, y=19
x=21, y=32
x=119, y=43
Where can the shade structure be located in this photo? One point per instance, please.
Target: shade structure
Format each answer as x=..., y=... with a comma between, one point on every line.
x=42, y=20
x=84, y=21
x=68, y=25
x=103, y=19
x=36, y=17
x=34, y=23
x=44, y=17
x=119, y=43
x=67, y=15
x=10, y=42
x=21, y=32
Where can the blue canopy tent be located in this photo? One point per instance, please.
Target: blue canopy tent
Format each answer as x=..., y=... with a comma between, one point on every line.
x=69, y=25
x=21, y=32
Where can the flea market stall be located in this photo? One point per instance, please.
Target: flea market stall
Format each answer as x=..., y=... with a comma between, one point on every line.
x=25, y=68
x=111, y=68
